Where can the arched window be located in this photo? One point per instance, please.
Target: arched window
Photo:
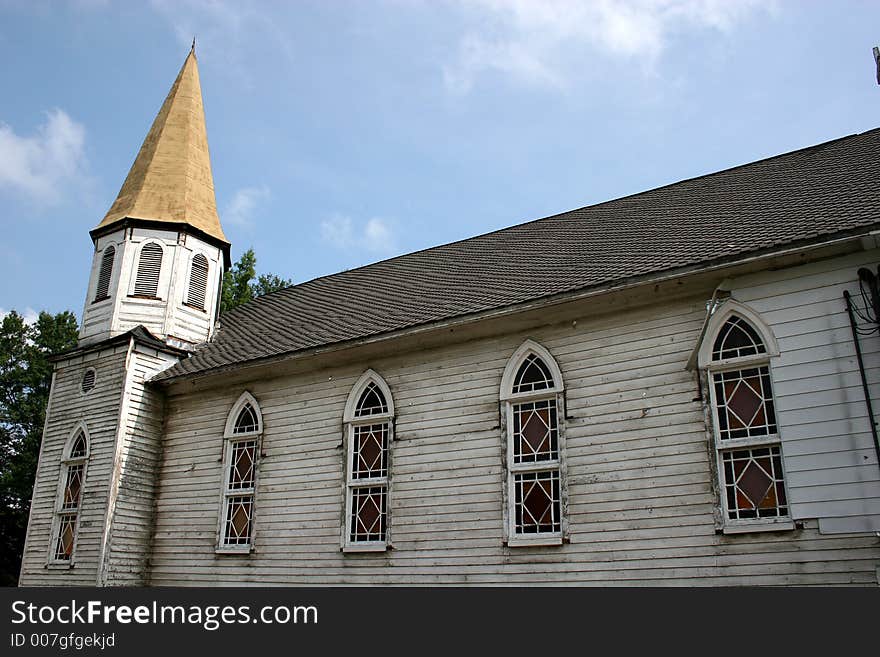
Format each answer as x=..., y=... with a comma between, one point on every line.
x=533, y=410
x=244, y=427
x=198, y=282
x=146, y=283
x=102, y=291
x=74, y=459
x=369, y=428
x=736, y=356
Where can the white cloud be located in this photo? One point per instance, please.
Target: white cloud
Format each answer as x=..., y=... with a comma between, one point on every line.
x=38, y=166
x=376, y=235
x=541, y=41
x=30, y=315
x=240, y=210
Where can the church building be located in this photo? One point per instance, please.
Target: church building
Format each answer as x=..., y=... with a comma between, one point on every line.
x=672, y=388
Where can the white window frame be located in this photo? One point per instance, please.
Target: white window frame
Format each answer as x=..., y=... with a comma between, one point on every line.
x=722, y=314
x=230, y=439
x=509, y=399
x=67, y=462
x=350, y=422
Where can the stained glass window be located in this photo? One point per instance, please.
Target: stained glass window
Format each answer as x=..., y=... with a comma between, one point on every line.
x=536, y=501
x=534, y=464
x=79, y=448
x=532, y=375
x=753, y=483
x=370, y=451
x=736, y=339
x=747, y=434
x=73, y=472
x=745, y=403
x=535, y=431
x=369, y=443
x=368, y=513
x=66, y=536
x=372, y=402
x=239, y=510
x=246, y=421
x=240, y=476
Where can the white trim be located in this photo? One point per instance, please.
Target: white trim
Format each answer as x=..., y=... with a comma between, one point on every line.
x=722, y=313
x=245, y=398
x=524, y=351
x=370, y=376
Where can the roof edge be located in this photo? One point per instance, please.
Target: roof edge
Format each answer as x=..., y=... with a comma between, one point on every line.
x=608, y=287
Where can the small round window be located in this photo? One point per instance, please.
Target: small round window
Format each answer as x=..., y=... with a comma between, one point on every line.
x=88, y=381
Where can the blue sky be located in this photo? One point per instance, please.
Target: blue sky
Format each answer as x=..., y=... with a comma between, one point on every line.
x=342, y=133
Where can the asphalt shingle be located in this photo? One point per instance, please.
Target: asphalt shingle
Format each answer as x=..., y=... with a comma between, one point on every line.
x=805, y=195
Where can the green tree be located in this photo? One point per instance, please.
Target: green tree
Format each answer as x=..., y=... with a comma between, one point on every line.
x=25, y=378
x=240, y=287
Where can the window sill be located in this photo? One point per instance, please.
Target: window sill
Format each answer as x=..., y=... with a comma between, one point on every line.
x=754, y=527
x=230, y=550
x=144, y=297
x=195, y=307
x=59, y=565
x=366, y=547
x=532, y=541
x=102, y=299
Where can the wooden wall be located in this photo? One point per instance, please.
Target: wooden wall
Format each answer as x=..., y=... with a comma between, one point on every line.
x=831, y=464
x=68, y=405
x=641, y=498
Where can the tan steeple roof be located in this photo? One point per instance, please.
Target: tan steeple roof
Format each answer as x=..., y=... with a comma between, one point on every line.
x=170, y=180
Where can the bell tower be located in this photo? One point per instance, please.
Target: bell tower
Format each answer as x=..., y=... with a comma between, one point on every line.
x=153, y=296
x=160, y=251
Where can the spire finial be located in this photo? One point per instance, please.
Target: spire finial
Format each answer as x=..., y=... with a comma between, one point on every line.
x=193, y=49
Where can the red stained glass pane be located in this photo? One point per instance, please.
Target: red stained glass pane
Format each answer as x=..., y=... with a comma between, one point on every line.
x=535, y=431
x=66, y=535
x=73, y=487
x=239, y=511
x=537, y=502
x=368, y=516
x=370, y=451
x=754, y=482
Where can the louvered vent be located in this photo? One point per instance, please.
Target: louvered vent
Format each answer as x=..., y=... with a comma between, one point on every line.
x=102, y=292
x=149, y=266
x=198, y=282
x=88, y=381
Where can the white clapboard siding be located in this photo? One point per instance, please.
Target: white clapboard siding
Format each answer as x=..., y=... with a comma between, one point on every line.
x=641, y=502
x=831, y=467
x=126, y=558
x=137, y=276
x=68, y=405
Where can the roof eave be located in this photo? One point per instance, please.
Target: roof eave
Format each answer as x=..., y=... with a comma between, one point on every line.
x=608, y=287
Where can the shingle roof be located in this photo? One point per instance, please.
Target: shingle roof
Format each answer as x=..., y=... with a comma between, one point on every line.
x=802, y=196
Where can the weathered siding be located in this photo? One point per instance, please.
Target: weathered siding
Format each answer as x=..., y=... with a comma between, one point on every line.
x=166, y=316
x=138, y=455
x=68, y=405
x=831, y=465
x=641, y=498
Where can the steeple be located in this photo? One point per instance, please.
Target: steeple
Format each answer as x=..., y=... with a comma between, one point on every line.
x=160, y=251
x=170, y=181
